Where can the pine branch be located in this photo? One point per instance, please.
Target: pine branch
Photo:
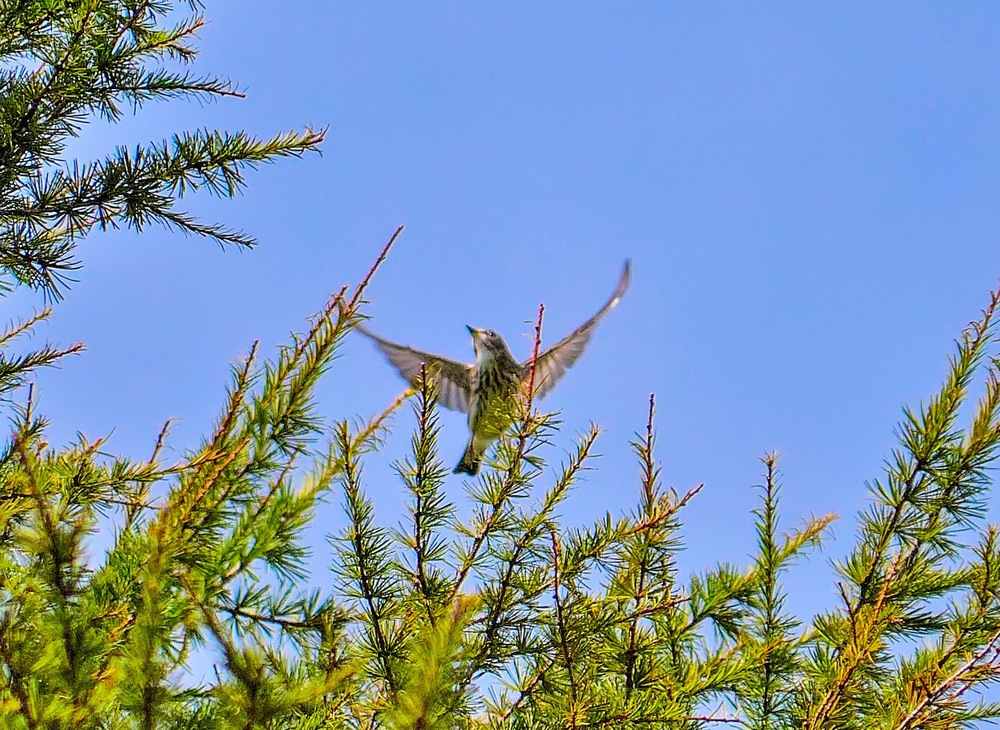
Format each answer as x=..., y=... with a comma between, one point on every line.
x=15, y=369
x=366, y=569
x=935, y=489
x=93, y=57
x=423, y=475
x=561, y=630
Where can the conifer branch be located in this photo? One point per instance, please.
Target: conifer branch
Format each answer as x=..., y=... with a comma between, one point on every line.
x=366, y=561
x=423, y=474
x=14, y=370
x=91, y=58
x=952, y=686
x=561, y=628
x=359, y=290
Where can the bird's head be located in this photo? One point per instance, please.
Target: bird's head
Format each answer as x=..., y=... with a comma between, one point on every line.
x=488, y=344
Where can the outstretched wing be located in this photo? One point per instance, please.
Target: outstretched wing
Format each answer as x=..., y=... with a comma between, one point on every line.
x=556, y=360
x=454, y=379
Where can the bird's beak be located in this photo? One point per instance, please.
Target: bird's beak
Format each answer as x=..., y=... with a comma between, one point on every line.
x=477, y=338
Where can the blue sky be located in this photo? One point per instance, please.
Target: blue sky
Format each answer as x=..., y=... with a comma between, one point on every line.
x=808, y=193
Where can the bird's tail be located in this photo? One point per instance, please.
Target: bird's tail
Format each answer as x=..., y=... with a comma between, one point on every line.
x=470, y=462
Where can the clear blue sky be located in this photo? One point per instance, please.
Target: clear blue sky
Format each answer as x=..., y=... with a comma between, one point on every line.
x=810, y=194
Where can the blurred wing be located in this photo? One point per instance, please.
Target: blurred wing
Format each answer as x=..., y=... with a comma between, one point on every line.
x=553, y=363
x=454, y=379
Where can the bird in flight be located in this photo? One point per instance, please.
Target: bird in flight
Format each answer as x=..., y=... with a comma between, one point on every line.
x=486, y=389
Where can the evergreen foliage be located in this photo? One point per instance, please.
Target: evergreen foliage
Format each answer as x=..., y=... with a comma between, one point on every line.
x=64, y=62
x=509, y=619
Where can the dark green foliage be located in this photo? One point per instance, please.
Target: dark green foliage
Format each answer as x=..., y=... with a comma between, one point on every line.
x=64, y=62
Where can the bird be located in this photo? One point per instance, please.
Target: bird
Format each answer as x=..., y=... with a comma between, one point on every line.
x=486, y=389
